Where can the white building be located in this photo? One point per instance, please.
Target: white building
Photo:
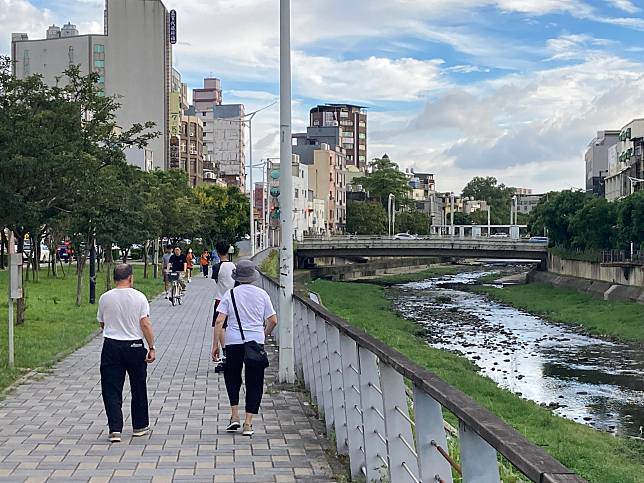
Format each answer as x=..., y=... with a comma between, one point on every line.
x=225, y=142
x=133, y=59
x=626, y=162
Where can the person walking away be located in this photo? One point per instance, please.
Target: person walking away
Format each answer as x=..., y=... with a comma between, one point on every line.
x=177, y=263
x=251, y=318
x=222, y=273
x=190, y=258
x=124, y=316
x=204, y=262
x=166, y=260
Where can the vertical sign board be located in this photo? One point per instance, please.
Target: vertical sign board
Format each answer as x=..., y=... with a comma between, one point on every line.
x=175, y=113
x=173, y=26
x=15, y=276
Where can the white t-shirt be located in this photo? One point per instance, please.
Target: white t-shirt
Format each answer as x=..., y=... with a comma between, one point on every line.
x=254, y=306
x=121, y=310
x=225, y=279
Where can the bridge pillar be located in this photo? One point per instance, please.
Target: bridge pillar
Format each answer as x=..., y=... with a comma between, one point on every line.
x=514, y=232
x=476, y=232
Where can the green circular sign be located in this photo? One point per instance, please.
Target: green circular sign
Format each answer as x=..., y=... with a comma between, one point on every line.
x=275, y=192
x=275, y=174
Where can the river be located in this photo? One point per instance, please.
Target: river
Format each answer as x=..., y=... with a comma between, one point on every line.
x=583, y=378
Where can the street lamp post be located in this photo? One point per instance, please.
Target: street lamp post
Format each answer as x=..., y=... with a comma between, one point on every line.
x=451, y=214
x=391, y=214
x=286, y=360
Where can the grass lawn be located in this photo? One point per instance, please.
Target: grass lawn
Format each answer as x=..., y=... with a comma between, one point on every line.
x=621, y=320
x=598, y=457
x=54, y=324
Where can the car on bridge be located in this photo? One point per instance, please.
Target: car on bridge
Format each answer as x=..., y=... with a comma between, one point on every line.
x=405, y=236
x=539, y=239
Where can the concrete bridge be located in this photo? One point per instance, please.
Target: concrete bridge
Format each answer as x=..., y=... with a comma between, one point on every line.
x=433, y=247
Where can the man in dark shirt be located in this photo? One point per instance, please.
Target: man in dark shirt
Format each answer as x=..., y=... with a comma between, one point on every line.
x=178, y=263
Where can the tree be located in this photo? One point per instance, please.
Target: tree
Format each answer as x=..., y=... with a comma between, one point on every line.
x=593, y=226
x=366, y=218
x=385, y=179
x=498, y=196
x=630, y=221
x=554, y=214
x=414, y=222
x=223, y=213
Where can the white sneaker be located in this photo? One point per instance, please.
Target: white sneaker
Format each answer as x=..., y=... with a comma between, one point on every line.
x=115, y=437
x=141, y=432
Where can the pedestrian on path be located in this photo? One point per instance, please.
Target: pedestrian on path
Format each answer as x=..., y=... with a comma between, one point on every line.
x=222, y=273
x=166, y=260
x=190, y=260
x=204, y=261
x=252, y=318
x=124, y=315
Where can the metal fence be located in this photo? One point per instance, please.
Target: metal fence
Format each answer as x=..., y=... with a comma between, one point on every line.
x=623, y=256
x=360, y=386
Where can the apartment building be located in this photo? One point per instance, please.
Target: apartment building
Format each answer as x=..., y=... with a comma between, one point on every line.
x=133, y=58
x=626, y=162
x=191, y=147
x=327, y=180
x=596, y=160
x=352, y=121
x=210, y=95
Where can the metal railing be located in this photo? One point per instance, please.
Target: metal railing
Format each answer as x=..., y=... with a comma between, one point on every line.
x=360, y=387
x=622, y=256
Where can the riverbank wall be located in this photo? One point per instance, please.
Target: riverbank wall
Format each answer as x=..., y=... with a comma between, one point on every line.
x=372, y=269
x=596, y=288
x=631, y=276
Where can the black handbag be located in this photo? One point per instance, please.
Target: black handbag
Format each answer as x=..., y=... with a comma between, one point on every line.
x=254, y=353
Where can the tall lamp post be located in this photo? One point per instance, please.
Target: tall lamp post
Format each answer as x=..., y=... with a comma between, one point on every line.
x=391, y=213
x=286, y=360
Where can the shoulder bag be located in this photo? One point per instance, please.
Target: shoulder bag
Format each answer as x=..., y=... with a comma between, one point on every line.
x=254, y=353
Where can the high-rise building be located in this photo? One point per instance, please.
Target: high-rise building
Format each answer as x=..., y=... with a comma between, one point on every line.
x=352, y=121
x=596, y=159
x=191, y=147
x=210, y=95
x=133, y=59
x=224, y=137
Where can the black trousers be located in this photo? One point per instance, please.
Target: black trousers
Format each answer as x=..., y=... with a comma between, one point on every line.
x=204, y=269
x=119, y=357
x=254, y=377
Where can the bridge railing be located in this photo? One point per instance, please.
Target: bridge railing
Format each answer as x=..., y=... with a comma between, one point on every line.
x=360, y=386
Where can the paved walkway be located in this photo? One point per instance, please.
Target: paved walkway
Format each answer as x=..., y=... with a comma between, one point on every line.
x=54, y=428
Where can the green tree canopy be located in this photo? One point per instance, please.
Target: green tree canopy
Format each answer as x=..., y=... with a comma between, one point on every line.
x=414, y=222
x=384, y=179
x=223, y=213
x=366, y=218
x=593, y=225
x=498, y=196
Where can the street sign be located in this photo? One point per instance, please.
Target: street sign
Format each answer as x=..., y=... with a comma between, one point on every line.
x=15, y=275
x=173, y=26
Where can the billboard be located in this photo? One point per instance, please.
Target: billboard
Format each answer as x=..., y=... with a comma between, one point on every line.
x=173, y=26
x=175, y=113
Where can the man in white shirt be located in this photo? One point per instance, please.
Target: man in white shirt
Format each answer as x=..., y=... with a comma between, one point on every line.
x=124, y=315
x=223, y=275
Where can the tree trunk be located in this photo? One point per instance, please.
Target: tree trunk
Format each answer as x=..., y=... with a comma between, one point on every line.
x=21, y=304
x=2, y=244
x=80, y=268
x=108, y=267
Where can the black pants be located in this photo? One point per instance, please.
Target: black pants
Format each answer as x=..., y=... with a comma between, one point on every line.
x=254, y=377
x=117, y=358
x=204, y=269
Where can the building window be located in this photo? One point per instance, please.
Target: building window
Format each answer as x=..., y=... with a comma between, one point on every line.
x=99, y=48
x=344, y=114
x=296, y=193
x=362, y=135
x=99, y=63
x=193, y=129
x=193, y=147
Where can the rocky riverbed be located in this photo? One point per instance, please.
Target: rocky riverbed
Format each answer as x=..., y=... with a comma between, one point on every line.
x=592, y=381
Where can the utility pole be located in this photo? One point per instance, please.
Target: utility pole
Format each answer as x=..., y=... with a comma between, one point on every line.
x=286, y=354
x=451, y=215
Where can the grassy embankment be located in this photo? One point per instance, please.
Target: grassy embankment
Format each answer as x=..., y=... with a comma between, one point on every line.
x=598, y=457
x=55, y=326
x=616, y=319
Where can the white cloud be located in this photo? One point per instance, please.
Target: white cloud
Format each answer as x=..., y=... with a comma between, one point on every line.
x=625, y=5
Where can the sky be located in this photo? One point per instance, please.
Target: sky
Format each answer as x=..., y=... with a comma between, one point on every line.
x=514, y=89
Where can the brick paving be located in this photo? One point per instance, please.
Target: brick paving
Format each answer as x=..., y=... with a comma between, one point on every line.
x=54, y=428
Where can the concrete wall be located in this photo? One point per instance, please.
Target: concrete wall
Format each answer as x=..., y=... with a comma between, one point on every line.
x=629, y=276
x=599, y=289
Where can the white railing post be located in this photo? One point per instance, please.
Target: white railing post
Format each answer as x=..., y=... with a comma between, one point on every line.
x=430, y=432
x=306, y=352
x=372, y=416
x=337, y=391
x=351, y=387
x=403, y=458
x=298, y=310
x=317, y=366
x=325, y=373
x=478, y=458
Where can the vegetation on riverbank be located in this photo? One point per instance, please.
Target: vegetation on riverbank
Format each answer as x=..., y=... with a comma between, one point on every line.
x=55, y=326
x=271, y=264
x=598, y=457
x=621, y=320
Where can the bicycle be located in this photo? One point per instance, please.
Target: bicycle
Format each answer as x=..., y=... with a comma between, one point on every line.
x=176, y=293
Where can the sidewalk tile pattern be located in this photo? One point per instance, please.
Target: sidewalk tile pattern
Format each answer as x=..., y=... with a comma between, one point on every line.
x=54, y=428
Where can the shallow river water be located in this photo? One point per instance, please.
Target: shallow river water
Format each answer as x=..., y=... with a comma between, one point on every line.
x=589, y=380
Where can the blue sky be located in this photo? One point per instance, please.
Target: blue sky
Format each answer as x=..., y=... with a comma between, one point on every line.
x=509, y=88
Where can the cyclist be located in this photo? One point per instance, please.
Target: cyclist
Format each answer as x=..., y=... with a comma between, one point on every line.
x=178, y=263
